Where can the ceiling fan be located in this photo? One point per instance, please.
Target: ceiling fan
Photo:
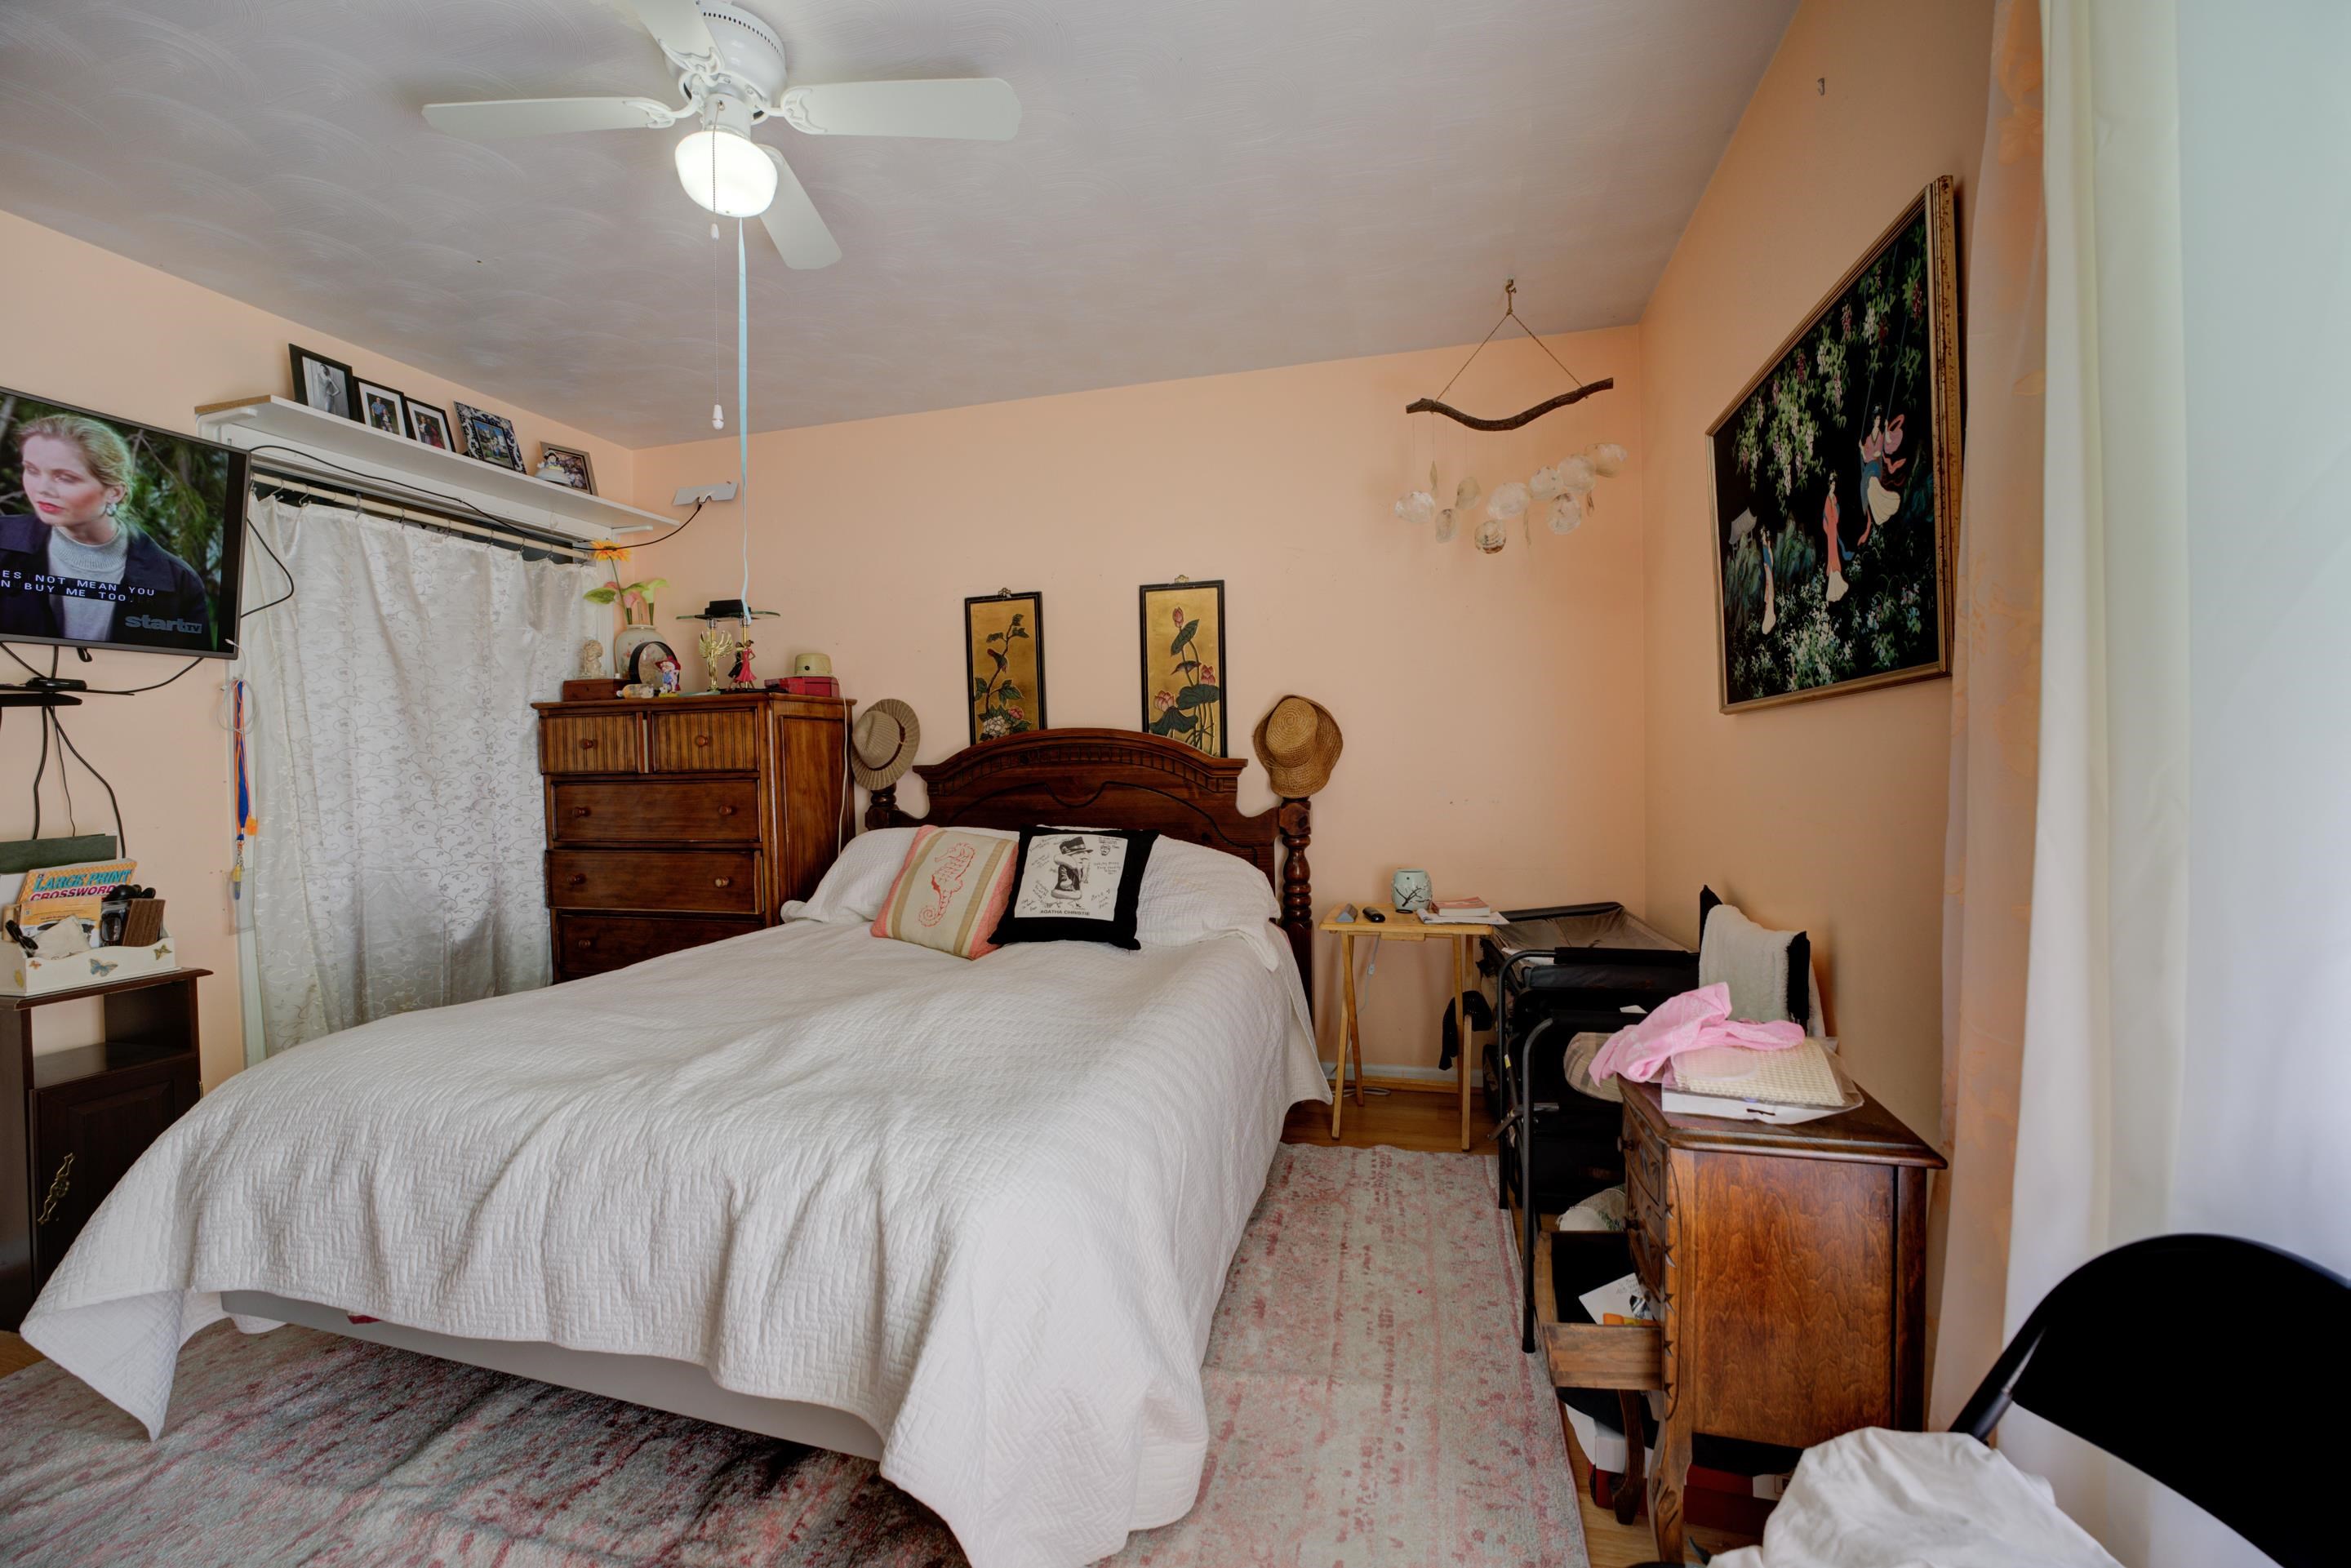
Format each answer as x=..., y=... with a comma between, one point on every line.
x=731, y=70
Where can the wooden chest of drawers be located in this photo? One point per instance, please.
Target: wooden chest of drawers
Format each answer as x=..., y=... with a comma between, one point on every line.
x=681, y=821
x=1787, y=1265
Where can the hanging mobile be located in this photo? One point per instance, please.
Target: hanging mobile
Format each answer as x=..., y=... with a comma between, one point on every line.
x=1509, y=313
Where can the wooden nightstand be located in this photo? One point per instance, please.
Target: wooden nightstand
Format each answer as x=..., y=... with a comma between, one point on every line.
x=1397, y=928
x=74, y=1121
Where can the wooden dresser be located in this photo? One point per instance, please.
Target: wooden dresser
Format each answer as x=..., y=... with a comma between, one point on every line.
x=679, y=820
x=1789, y=1265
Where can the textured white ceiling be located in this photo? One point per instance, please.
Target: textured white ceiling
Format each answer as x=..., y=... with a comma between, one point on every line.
x=1198, y=185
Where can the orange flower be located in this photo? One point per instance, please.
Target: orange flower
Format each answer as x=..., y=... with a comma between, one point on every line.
x=607, y=550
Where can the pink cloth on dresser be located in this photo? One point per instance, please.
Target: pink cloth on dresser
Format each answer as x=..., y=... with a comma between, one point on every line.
x=1691, y=1021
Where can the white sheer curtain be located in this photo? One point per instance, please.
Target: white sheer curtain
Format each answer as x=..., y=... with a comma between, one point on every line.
x=2184, y=1065
x=394, y=765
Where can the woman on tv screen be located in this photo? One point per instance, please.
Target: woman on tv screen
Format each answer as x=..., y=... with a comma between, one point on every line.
x=78, y=567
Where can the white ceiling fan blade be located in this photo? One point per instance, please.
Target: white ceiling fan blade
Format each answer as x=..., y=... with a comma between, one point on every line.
x=502, y=118
x=973, y=109
x=677, y=26
x=793, y=221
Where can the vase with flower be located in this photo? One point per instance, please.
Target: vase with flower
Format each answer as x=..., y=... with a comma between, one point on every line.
x=636, y=602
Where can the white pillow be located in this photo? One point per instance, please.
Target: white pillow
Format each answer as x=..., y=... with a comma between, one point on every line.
x=859, y=883
x=1192, y=892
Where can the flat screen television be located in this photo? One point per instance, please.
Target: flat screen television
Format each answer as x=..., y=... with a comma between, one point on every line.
x=115, y=534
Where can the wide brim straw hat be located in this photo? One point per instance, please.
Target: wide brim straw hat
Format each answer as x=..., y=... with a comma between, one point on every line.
x=884, y=746
x=1299, y=742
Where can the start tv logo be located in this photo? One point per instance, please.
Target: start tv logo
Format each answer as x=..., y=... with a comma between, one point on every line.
x=163, y=623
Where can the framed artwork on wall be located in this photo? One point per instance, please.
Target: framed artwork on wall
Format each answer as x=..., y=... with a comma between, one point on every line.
x=488, y=436
x=322, y=383
x=1183, y=662
x=1004, y=663
x=1836, y=481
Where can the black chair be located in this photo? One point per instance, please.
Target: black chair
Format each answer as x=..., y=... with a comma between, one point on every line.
x=2218, y=1367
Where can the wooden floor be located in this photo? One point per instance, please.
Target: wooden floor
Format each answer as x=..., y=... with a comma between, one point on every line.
x=16, y=1355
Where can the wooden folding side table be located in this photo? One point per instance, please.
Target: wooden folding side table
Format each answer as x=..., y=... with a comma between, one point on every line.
x=1398, y=928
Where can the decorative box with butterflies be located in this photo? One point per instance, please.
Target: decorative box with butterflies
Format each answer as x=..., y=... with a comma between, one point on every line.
x=67, y=959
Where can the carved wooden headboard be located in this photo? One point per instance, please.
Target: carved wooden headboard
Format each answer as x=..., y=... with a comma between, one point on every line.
x=1121, y=779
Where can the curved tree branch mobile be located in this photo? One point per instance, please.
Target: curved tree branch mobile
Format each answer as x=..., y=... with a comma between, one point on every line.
x=1564, y=487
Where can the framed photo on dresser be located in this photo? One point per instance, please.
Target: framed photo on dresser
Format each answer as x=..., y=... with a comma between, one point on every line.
x=429, y=425
x=380, y=408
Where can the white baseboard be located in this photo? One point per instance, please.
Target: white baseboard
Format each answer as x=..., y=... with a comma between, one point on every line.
x=1431, y=1075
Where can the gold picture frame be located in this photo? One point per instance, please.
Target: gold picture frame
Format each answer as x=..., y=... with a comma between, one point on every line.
x=1004, y=663
x=1835, y=481
x=1183, y=626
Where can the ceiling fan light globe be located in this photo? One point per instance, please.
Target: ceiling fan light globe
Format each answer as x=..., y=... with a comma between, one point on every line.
x=726, y=172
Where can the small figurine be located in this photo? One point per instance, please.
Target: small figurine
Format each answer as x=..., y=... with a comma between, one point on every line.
x=672, y=680
x=592, y=660
x=743, y=679
x=715, y=646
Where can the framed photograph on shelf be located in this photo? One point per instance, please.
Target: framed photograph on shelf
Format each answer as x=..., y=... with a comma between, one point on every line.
x=429, y=425
x=1184, y=662
x=380, y=408
x=1004, y=663
x=571, y=465
x=322, y=383
x=1836, y=481
x=488, y=436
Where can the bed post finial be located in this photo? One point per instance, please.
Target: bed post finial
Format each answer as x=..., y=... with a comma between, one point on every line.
x=881, y=808
x=1295, y=819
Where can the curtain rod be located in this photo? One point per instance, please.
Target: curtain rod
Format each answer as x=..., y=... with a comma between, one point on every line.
x=393, y=507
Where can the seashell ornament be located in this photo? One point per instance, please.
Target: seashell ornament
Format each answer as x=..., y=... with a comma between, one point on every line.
x=1566, y=514
x=1507, y=501
x=1491, y=535
x=1545, y=485
x=1576, y=475
x=1608, y=459
x=1417, y=507
x=1446, y=522
x=1466, y=495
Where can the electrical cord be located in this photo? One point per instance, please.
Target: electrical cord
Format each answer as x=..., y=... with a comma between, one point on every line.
x=114, y=691
x=121, y=839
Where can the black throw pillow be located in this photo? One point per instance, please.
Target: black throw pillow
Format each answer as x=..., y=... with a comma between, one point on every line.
x=1076, y=885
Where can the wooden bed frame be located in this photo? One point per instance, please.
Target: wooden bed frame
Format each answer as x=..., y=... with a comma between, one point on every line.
x=1121, y=779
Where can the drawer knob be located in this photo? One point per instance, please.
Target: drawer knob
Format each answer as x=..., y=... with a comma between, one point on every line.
x=701, y=740
x=584, y=942
x=577, y=879
x=586, y=743
x=726, y=810
x=722, y=881
x=579, y=810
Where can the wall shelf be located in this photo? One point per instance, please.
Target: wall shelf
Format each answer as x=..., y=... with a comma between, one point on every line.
x=374, y=453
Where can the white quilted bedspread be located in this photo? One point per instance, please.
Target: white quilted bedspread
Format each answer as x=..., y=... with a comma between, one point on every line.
x=985, y=1207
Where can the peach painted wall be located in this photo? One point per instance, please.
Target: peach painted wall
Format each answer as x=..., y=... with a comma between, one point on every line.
x=85, y=326
x=1826, y=814
x=1492, y=707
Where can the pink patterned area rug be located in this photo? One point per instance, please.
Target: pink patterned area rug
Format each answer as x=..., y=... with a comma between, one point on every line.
x=1367, y=1405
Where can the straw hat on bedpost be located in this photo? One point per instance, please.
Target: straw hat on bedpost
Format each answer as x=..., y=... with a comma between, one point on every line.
x=1299, y=742
x=881, y=748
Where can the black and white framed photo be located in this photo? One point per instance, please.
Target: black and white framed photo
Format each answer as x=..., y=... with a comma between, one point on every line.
x=566, y=466
x=380, y=408
x=429, y=425
x=322, y=383
x=488, y=436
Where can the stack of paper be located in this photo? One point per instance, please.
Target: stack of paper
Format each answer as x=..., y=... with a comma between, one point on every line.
x=1460, y=911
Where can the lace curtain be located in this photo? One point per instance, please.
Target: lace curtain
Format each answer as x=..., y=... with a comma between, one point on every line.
x=394, y=768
